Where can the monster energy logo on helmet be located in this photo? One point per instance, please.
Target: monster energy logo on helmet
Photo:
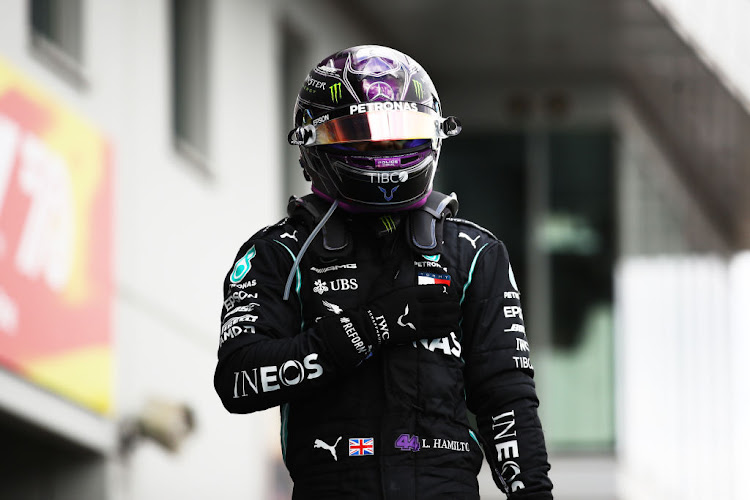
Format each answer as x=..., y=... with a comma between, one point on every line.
x=335, y=92
x=418, y=89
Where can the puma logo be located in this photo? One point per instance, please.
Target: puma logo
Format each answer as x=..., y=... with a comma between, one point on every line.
x=325, y=446
x=406, y=313
x=292, y=236
x=472, y=241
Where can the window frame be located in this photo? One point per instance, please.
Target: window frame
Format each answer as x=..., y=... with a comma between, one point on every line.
x=190, y=82
x=61, y=45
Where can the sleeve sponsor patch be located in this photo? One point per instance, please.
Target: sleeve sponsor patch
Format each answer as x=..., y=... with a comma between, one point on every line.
x=433, y=279
x=242, y=266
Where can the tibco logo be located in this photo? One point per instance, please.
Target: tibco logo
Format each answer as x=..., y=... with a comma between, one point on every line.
x=388, y=177
x=290, y=373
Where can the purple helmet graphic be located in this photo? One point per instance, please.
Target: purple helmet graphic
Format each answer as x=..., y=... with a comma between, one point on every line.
x=369, y=125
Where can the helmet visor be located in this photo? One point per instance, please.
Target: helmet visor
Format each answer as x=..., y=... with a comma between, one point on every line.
x=377, y=126
x=379, y=121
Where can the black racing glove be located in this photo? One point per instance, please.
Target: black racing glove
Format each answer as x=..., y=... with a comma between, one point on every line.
x=399, y=317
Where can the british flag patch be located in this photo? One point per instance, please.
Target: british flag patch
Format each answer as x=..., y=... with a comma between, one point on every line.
x=433, y=279
x=359, y=447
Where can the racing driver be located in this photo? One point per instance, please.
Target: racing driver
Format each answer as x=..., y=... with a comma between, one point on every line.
x=372, y=316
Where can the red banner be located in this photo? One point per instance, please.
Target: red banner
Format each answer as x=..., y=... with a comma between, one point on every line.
x=55, y=245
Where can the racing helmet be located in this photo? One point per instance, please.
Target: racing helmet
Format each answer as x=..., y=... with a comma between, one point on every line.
x=369, y=126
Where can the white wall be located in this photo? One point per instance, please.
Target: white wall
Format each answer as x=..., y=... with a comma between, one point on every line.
x=684, y=403
x=178, y=233
x=674, y=391
x=682, y=323
x=37, y=405
x=718, y=32
x=738, y=432
x=176, y=230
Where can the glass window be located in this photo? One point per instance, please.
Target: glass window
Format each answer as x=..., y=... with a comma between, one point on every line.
x=57, y=35
x=190, y=82
x=549, y=195
x=486, y=171
x=577, y=238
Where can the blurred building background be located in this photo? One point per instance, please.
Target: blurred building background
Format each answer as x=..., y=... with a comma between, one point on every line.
x=141, y=142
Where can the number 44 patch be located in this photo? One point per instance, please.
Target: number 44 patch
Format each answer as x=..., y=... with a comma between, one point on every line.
x=407, y=442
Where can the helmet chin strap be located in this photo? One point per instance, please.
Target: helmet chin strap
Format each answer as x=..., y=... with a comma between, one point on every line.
x=306, y=245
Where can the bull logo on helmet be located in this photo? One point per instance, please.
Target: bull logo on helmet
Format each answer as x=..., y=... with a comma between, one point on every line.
x=386, y=196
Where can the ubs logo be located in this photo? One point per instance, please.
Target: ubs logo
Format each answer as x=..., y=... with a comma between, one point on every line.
x=340, y=284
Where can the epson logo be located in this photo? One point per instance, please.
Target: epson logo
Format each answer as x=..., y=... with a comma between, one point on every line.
x=388, y=177
x=513, y=312
x=236, y=297
x=320, y=120
x=272, y=378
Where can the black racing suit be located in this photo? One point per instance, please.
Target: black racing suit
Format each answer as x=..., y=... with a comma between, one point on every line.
x=396, y=426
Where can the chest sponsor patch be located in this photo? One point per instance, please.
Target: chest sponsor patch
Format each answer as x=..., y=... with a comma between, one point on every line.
x=433, y=279
x=333, y=268
x=342, y=284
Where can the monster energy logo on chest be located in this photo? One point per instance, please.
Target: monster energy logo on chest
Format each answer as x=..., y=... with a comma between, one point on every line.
x=389, y=224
